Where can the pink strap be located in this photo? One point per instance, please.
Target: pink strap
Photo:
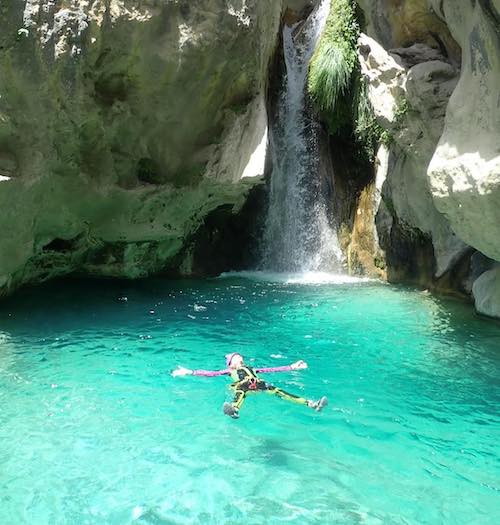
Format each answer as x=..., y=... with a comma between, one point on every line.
x=285, y=368
x=211, y=373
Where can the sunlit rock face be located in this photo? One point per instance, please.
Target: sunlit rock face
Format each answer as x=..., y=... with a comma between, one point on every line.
x=443, y=59
x=464, y=173
x=402, y=23
x=123, y=124
x=409, y=89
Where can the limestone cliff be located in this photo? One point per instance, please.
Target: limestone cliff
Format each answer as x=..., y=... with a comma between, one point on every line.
x=123, y=125
x=433, y=72
x=132, y=132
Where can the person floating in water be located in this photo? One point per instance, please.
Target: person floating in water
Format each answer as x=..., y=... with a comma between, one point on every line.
x=245, y=380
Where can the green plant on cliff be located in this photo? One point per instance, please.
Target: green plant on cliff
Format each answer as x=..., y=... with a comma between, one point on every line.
x=334, y=61
x=367, y=131
x=336, y=85
x=402, y=109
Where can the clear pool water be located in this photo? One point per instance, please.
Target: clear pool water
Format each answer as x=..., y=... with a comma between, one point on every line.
x=94, y=430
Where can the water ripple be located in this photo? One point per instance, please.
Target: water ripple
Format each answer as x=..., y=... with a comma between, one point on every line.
x=93, y=428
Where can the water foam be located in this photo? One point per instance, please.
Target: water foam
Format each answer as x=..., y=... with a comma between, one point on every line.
x=297, y=277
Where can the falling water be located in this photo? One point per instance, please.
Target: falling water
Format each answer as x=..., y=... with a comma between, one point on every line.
x=298, y=234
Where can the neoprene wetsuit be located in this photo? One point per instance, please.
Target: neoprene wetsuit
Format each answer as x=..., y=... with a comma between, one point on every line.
x=245, y=380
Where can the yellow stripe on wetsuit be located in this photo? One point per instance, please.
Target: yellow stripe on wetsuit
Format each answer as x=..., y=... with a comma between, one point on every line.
x=243, y=378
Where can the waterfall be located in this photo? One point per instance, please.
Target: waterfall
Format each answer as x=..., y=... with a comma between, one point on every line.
x=298, y=236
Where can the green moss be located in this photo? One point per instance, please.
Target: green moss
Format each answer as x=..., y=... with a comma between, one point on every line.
x=7, y=131
x=379, y=262
x=92, y=141
x=239, y=109
x=367, y=132
x=402, y=108
x=386, y=137
x=390, y=205
x=190, y=175
x=148, y=171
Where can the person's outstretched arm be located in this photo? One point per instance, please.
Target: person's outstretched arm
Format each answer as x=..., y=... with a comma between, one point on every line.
x=181, y=371
x=298, y=365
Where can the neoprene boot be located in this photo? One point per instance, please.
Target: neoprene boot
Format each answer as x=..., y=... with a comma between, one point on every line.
x=231, y=411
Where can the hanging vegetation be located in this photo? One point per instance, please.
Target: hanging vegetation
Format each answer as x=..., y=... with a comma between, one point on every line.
x=335, y=83
x=335, y=59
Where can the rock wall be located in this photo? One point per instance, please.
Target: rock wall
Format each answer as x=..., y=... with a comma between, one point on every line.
x=123, y=125
x=132, y=132
x=409, y=90
x=433, y=72
x=464, y=173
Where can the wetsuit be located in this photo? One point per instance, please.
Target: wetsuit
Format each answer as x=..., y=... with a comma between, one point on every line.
x=245, y=380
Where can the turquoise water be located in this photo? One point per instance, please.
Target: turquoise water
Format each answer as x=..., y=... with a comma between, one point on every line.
x=94, y=430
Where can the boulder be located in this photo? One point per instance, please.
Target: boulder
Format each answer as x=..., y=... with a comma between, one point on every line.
x=464, y=172
x=486, y=292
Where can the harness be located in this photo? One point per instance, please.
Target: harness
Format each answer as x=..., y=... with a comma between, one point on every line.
x=245, y=376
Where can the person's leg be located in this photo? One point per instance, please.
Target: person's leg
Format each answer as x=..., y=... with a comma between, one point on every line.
x=233, y=409
x=317, y=405
x=274, y=390
x=239, y=397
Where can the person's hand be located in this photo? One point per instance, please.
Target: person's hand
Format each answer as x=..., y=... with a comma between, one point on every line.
x=299, y=365
x=181, y=371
